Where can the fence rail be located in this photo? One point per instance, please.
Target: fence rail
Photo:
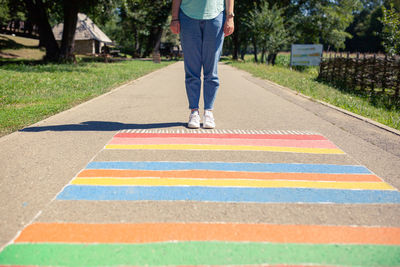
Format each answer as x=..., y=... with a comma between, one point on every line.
x=376, y=73
x=21, y=28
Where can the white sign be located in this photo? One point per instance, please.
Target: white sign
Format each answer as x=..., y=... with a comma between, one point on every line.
x=306, y=55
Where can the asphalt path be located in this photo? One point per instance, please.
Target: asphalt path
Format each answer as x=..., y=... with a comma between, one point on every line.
x=48, y=197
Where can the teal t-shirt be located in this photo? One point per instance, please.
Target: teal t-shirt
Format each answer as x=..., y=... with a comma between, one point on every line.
x=202, y=9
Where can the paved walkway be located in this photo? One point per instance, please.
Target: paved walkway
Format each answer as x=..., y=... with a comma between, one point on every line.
x=119, y=180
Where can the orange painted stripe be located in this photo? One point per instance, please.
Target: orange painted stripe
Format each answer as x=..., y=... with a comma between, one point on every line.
x=198, y=174
x=162, y=232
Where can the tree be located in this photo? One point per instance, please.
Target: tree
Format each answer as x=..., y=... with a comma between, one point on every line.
x=242, y=34
x=325, y=21
x=305, y=21
x=158, y=18
x=364, y=29
x=391, y=30
x=338, y=18
x=71, y=8
x=37, y=12
x=142, y=25
x=269, y=31
x=4, y=12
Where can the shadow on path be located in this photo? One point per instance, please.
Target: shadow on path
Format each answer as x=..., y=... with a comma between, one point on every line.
x=102, y=126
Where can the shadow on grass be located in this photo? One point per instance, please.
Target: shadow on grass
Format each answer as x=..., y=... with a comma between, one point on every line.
x=378, y=99
x=19, y=61
x=7, y=43
x=40, y=66
x=283, y=64
x=102, y=126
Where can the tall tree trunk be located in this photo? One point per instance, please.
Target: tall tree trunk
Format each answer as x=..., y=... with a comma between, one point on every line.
x=140, y=48
x=236, y=44
x=157, y=41
x=136, y=53
x=272, y=58
x=154, y=41
x=38, y=15
x=262, y=55
x=160, y=19
x=255, y=50
x=150, y=43
x=243, y=52
x=71, y=8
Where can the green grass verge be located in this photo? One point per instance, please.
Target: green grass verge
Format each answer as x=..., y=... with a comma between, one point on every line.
x=30, y=93
x=378, y=107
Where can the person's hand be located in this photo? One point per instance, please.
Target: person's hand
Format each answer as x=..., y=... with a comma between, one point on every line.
x=229, y=26
x=175, y=26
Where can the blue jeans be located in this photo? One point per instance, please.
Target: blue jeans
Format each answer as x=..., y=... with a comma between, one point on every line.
x=202, y=42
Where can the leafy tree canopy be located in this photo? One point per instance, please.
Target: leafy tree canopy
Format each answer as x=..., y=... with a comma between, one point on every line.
x=391, y=30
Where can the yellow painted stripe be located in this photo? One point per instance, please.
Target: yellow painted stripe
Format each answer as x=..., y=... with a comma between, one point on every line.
x=229, y=147
x=230, y=183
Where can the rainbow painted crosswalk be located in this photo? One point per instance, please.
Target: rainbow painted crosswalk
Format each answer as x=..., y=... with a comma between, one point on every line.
x=229, y=182
x=177, y=244
x=200, y=243
x=298, y=143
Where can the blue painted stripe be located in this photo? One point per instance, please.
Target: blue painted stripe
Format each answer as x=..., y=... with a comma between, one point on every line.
x=230, y=166
x=228, y=194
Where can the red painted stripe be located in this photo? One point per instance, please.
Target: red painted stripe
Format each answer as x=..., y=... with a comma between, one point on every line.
x=228, y=142
x=222, y=136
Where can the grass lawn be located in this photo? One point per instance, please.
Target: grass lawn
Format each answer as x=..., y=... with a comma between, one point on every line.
x=379, y=107
x=30, y=93
x=14, y=47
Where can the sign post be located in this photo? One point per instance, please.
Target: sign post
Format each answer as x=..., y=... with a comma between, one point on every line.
x=306, y=55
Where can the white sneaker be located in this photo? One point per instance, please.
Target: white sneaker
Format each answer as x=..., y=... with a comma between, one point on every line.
x=194, y=120
x=208, y=120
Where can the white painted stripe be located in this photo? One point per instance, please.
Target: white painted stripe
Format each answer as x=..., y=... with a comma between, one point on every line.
x=218, y=131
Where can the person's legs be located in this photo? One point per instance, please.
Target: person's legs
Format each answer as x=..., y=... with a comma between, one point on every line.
x=213, y=38
x=191, y=39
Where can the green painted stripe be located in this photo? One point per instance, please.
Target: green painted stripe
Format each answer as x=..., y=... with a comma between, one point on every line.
x=198, y=253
